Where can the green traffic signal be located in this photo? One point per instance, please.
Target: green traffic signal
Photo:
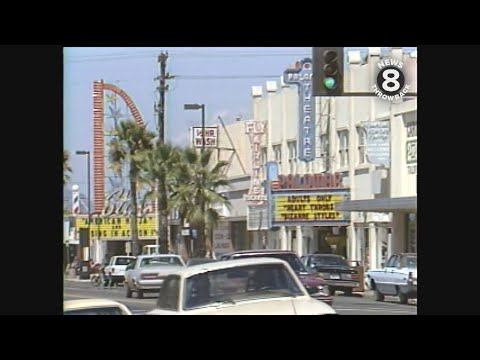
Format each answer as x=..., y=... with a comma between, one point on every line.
x=329, y=83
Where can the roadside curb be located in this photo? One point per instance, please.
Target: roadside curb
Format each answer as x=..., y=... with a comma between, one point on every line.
x=76, y=280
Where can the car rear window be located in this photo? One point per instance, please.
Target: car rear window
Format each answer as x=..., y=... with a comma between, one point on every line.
x=291, y=259
x=329, y=260
x=160, y=261
x=112, y=310
x=123, y=261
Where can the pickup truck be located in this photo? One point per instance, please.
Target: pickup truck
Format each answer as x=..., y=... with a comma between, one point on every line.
x=397, y=278
x=116, y=268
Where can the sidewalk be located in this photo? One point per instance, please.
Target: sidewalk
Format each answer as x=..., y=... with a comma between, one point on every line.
x=75, y=279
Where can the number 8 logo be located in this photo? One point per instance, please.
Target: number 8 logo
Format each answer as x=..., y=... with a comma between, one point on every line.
x=391, y=76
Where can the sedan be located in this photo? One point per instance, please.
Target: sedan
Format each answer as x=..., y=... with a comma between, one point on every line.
x=147, y=272
x=260, y=286
x=336, y=271
x=94, y=307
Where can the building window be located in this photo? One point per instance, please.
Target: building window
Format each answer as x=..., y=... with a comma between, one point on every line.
x=292, y=157
x=277, y=153
x=362, y=140
x=343, y=147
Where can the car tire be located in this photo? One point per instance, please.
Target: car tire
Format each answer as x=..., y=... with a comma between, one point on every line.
x=139, y=294
x=403, y=297
x=348, y=291
x=128, y=291
x=378, y=295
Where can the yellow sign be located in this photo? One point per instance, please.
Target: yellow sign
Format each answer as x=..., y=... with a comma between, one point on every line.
x=117, y=228
x=315, y=208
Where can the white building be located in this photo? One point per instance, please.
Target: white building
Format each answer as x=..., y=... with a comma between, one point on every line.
x=382, y=198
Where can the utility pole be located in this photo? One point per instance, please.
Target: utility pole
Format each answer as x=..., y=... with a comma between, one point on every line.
x=162, y=211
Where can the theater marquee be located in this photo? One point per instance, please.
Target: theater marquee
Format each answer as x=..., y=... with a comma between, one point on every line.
x=315, y=208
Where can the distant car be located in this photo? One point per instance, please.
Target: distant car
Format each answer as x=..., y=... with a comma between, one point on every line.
x=314, y=283
x=260, y=286
x=116, y=268
x=147, y=272
x=336, y=271
x=94, y=307
x=197, y=261
x=397, y=278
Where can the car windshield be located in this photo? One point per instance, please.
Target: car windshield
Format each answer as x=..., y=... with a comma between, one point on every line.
x=123, y=261
x=239, y=284
x=96, y=311
x=292, y=259
x=161, y=261
x=411, y=262
x=329, y=260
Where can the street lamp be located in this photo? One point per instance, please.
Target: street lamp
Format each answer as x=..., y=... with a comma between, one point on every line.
x=85, y=152
x=198, y=107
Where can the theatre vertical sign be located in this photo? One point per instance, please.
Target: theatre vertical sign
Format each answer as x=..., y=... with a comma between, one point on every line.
x=256, y=199
x=301, y=75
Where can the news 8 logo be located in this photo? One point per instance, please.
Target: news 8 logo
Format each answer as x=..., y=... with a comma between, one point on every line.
x=390, y=83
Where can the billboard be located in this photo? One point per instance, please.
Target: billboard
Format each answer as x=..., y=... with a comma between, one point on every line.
x=378, y=142
x=118, y=227
x=257, y=217
x=222, y=242
x=211, y=136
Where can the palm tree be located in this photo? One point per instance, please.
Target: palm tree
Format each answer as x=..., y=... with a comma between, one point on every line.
x=128, y=147
x=66, y=166
x=158, y=165
x=195, y=192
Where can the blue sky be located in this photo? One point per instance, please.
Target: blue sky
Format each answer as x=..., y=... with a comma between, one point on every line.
x=134, y=70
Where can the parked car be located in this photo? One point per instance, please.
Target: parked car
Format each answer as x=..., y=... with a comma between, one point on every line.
x=197, y=261
x=115, y=270
x=314, y=283
x=336, y=271
x=259, y=286
x=147, y=272
x=397, y=278
x=94, y=307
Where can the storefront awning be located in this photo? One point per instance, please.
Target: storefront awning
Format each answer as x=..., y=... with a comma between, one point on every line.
x=380, y=205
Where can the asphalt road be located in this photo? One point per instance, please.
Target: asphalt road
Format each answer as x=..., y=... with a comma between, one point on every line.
x=344, y=305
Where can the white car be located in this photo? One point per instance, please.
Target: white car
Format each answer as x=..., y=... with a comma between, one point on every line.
x=253, y=286
x=397, y=278
x=116, y=268
x=147, y=272
x=94, y=307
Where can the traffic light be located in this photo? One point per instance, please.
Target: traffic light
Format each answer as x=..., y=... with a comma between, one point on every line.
x=327, y=78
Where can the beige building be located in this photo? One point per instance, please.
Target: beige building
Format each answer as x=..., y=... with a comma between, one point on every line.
x=382, y=205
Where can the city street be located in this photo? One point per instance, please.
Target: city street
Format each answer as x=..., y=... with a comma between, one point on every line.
x=344, y=305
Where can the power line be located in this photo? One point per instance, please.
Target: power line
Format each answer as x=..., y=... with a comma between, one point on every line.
x=191, y=55
x=224, y=77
